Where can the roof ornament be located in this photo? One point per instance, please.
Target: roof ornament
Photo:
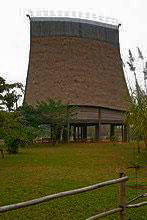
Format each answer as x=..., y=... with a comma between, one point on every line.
x=45, y=13
x=38, y=13
x=60, y=13
x=51, y=13
x=94, y=17
x=87, y=15
x=80, y=14
x=28, y=16
x=73, y=14
x=66, y=13
x=30, y=13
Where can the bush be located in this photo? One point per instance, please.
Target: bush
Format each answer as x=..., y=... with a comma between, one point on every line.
x=14, y=132
x=12, y=145
x=114, y=139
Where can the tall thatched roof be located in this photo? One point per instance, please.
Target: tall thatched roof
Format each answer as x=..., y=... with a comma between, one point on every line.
x=76, y=62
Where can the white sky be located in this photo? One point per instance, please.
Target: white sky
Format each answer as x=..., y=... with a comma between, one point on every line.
x=14, y=28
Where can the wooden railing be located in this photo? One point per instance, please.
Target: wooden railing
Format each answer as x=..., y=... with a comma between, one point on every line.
x=122, y=197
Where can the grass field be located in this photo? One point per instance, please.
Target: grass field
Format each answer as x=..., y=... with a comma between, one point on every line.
x=43, y=169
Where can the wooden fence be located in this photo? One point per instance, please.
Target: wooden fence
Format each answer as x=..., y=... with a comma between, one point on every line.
x=123, y=205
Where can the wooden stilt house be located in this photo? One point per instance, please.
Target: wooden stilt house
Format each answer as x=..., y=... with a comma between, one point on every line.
x=78, y=62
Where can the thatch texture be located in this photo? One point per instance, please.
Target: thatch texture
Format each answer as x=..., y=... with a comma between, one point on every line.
x=78, y=71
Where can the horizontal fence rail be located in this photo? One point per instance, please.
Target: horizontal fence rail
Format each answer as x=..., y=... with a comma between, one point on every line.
x=121, y=209
x=137, y=205
x=61, y=194
x=103, y=214
x=138, y=197
x=123, y=205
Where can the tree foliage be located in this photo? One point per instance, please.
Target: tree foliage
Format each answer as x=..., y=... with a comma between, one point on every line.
x=10, y=94
x=136, y=117
x=13, y=131
x=54, y=113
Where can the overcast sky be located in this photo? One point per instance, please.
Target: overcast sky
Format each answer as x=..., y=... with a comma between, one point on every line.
x=14, y=27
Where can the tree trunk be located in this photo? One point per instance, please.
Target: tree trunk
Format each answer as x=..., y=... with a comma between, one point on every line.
x=145, y=141
x=138, y=146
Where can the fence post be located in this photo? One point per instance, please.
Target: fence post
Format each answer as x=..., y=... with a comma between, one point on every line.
x=122, y=201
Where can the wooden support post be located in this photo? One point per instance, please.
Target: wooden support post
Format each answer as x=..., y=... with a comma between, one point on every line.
x=125, y=133
x=96, y=132
x=128, y=132
x=51, y=134
x=68, y=130
x=81, y=132
x=65, y=134
x=123, y=201
x=74, y=133
x=99, y=134
x=122, y=132
x=112, y=130
x=85, y=132
x=78, y=133
x=68, y=125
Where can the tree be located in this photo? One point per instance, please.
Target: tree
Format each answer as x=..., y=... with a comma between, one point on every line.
x=12, y=128
x=137, y=114
x=2, y=88
x=13, y=131
x=10, y=94
x=55, y=113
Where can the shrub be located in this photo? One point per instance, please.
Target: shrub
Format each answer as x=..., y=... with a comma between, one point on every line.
x=114, y=139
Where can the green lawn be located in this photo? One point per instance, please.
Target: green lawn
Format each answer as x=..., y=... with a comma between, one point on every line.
x=43, y=169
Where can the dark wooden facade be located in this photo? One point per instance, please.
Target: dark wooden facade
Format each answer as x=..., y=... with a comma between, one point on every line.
x=91, y=115
x=97, y=117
